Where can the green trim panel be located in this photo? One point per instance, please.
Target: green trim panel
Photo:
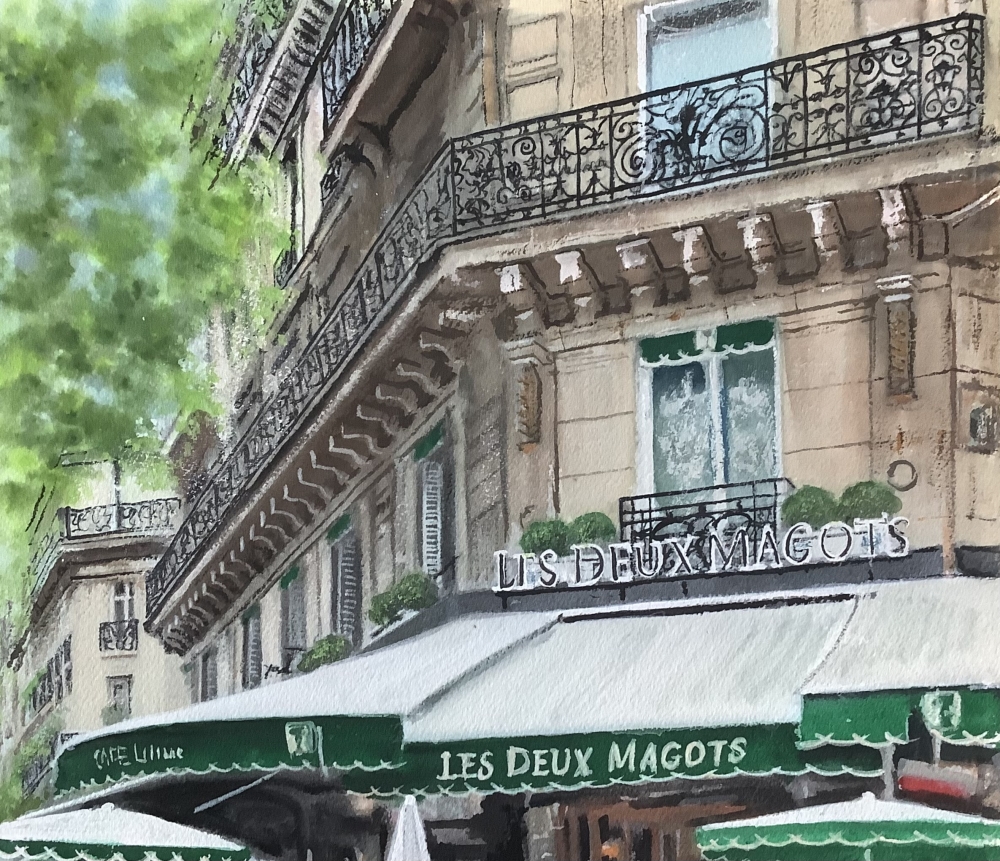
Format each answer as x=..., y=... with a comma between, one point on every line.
x=29, y=850
x=340, y=526
x=289, y=577
x=559, y=763
x=266, y=744
x=427, y=443
x=737, y=337
x=854, y=841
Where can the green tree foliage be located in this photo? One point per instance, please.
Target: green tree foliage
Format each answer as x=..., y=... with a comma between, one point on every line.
x=120, y=236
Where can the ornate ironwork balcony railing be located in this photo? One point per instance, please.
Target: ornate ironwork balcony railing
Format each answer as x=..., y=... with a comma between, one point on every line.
x=69, y=524
x=353, y=41
x=122, y=635
x=896, y=88
x=723, y=509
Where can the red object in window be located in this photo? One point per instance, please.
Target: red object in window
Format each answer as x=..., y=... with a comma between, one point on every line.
x=933, y=786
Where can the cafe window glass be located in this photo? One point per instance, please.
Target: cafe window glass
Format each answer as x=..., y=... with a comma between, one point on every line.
x=712, y=405
x=692, y=41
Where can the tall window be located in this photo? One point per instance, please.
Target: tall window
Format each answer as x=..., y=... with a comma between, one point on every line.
x=346, y=585
x=293, y=617
x=689, y=40
x=124, y=601
x=436, y=475
x=208, y=677
x=711, y=395
x=252, y=650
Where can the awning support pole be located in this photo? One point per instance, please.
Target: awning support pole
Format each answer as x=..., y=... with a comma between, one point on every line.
x=888, y=777
x=216, y=801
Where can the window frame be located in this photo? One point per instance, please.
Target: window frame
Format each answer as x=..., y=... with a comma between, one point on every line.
x=337, y=620
x=645, y=478
x=208, y=658
x=127, y=599
x=249, y=678
x=128, y=681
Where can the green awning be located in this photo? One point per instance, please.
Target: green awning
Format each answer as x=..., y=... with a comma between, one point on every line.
x=601, y=759
x=340, y=743
x=869, y=719
x=108, y=833
x=960, y=716
x=866, y=829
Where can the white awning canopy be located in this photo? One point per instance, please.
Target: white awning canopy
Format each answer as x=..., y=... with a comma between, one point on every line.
x=933, y=633
x=674, y=666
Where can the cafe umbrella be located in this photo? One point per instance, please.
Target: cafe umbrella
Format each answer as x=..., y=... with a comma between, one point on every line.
x=109, y=833
x=409, y=840
x=864, y=829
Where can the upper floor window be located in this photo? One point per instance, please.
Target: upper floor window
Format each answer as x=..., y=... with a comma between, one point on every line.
x=711, y=403
x=123, y=602
x=119, y=699
x=346, y=580
x=436, y=478
x=208, y=676
x=252, y=648
x=293, y=616
x=690, y=40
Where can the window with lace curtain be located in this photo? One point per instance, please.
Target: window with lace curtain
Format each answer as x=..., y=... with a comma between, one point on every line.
x=709, y=405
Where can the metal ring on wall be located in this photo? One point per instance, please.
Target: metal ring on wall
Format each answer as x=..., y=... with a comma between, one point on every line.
x=900, y=483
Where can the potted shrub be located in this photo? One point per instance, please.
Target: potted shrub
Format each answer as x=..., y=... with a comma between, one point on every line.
x=327, y=650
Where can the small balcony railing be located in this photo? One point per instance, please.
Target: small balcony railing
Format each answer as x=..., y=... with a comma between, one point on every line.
x=121, y=635
x=876, y=93
x=284, y=266
x=723, y=509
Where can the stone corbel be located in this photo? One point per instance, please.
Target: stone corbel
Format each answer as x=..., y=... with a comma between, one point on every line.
x=828, y=231
x=581, y=285
x=700, y=261
x=522, y=291
x=642, y=274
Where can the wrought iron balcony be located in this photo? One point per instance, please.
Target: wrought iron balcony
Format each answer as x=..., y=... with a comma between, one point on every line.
x=354, y=39
x=71, y=524
x=872, y=94
x=121, y=635
x=723, y=509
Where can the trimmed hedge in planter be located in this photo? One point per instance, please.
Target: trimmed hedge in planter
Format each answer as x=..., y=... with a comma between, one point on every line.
x=861, y=501
x=415, y=591
x=327, y=650
x=594, y=527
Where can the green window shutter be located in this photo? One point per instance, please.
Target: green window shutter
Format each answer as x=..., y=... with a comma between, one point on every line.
x=669, y=347
x=739, y=336
x=289, y=577
x=252, y=612
x=340, y=526
x=426, y=444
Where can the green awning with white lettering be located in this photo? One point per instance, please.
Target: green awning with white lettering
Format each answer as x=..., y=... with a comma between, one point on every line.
x=602, y=759
x=865, y=829
x=345, y=717
x=108, y=833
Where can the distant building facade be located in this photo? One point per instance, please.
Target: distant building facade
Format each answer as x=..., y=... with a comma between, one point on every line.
x=82, y=659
